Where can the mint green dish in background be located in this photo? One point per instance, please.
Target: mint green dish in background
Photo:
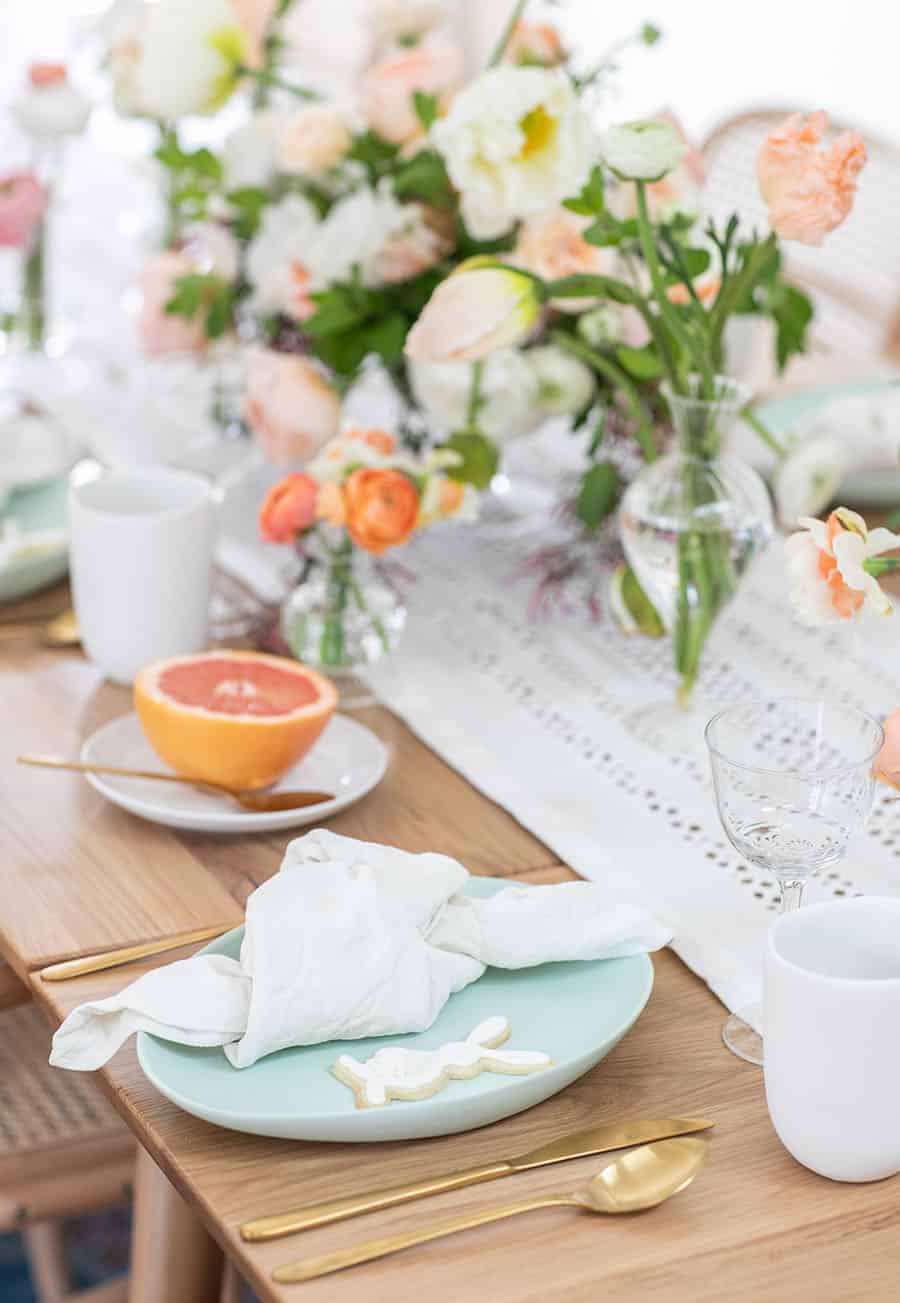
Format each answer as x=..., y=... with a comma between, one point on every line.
x=575, y=1012
x=39, y=510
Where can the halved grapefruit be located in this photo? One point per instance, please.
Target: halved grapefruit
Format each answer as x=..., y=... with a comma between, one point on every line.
x=238, y=718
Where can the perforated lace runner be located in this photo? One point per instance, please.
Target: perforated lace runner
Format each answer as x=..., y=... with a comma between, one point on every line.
x=539, y=717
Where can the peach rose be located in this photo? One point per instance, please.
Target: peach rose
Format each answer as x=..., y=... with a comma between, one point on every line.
x=887, y=766
x=809, y=191
x=435, y=68
x=160, y=331
x=315, y=139
x=382, y=508
x=534, y=45
x=23, y=202
x=289, y=509
x=289, y=405
x=553, y=245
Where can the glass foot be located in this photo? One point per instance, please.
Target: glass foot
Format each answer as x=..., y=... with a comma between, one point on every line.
x=668, y=727
x=739, y=1035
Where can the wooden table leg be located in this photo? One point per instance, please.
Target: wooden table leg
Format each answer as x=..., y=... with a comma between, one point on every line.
x=172, y=1256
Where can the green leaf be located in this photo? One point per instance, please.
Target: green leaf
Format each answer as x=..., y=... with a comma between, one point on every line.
x=792, y=312
x=425, y=177
x=248, y=204
x=650, y=34
x=480, y=459
x=598, y=495
x=342, y=308
x=640, y=363
x=591, y=201
x=220, y=314
x=426, y=107
x=188, y=297
x=374, y=152
x=695, y=261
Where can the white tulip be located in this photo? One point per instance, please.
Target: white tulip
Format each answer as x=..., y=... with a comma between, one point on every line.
x=642, y=151
x=565, y=385
x=475, y=312
x=808, y=479
x=509, y=392
x=516, y=142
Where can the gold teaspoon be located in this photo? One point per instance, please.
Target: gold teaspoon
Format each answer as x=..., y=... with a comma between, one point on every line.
x=640, y=1179
x=256, y=802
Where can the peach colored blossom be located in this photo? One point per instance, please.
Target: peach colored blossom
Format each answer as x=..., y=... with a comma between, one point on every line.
x=46, y=74
x=535, y=44
x=254, y=17
x=160, y=331
x=827, y=566
x=23, y=202
x=453, y=495
x=315, y=139
x=553, y=245
x=809, y=190
x=298, y=301
x=379, y=440
x=435, y=68
x=412, y=248
x=382, y=508
x=289, y=405
x=706, y=290
x=330, y=505
x=289, y=509
x=887, y=766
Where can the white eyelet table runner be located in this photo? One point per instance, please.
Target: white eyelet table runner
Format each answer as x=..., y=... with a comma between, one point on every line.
x=537, y=716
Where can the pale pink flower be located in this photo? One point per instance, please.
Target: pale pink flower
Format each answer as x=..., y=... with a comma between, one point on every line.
x=473, y=313
x=289, y=405
x=254, y=17
x=553, y=246
x=413, y=248
x=810, y=191
x=163, y=332
x=23, y=202
x=314, y=140
x=887, y=766
x=434, y=67
x=535, y=45
x=826, y=563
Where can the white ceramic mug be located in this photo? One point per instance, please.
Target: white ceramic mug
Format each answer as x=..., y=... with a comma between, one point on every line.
x=831, y=1019
x=141, y=560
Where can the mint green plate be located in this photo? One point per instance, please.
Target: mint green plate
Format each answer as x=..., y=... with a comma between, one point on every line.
x=35, y=511
x=575, y=1012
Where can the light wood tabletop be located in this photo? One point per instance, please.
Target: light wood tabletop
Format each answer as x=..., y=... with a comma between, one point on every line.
x=75, y=874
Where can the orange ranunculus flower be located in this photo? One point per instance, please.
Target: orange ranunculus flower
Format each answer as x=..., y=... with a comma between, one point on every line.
x=382, y=508
x=289, y=509
x=887, y=766
x=809, y=190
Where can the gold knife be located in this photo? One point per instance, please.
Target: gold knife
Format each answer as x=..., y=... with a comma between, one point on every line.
x=596, y=1140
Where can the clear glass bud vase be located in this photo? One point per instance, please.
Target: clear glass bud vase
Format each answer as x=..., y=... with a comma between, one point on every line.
x=693, y=520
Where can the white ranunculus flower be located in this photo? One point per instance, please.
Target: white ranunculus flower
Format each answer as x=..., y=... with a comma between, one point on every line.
x=361, y=230
x=278, y=258
x=51, y=111
x=565, y=385
x=516, y=142
x=809, y=477
x=180, y=70
x=214, y=250
x=509, y=391
x=249, y=154
x=601, y=327
x=642, y=151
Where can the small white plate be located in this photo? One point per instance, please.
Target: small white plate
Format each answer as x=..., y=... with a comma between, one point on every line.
x=348, y=759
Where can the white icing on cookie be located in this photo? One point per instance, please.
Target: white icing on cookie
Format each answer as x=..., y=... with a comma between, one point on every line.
x=397, y=1073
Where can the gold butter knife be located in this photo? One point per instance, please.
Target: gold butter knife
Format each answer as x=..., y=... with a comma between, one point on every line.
x=596, y=1140
x=129, y=954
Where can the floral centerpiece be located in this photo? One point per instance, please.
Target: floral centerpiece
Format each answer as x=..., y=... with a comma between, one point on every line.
x=361, y=497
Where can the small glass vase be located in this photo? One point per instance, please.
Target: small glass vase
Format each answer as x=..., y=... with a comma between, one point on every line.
x=343, y=616
x=691, y=523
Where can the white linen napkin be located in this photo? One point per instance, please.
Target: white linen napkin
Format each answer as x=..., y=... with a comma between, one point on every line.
x=348, y=940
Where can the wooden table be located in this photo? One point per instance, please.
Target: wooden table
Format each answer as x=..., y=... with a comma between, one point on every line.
x=76, y=874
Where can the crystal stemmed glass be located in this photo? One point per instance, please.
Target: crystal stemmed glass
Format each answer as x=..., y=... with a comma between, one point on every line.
x=794, y=780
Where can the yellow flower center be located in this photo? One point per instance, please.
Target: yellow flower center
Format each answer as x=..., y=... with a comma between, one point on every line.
x=539, y=129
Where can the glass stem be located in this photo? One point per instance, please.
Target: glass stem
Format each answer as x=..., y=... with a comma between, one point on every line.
x=791, y=894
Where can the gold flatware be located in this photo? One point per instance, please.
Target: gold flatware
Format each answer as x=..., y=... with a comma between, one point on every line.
x=256, y=802
x=128, y=954
x=581, y=1144
x=59, y=631
x=641, y=1179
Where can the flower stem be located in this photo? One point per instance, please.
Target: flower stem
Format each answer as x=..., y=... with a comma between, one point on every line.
x=500, y=48
x=34, y=308
x=881, y=565
x=340, y=561
x=768, y=438
x=607, y=367
x=266, y=77
x=476, y=401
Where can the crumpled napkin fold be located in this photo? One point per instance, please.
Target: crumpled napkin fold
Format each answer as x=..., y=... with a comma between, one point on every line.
x=351, y=939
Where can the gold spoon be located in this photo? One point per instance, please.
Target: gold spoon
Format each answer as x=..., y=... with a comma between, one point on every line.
x=257, y=802
x=638, y=1180
x=60, y=631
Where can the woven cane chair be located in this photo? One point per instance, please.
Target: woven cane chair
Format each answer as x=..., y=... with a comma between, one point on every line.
x=854, y=277
x=63, y=1151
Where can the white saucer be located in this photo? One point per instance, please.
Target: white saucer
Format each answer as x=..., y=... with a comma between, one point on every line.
x=348, y=759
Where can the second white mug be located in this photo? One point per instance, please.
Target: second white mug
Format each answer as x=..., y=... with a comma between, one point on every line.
x=831, y=1014
x=141, y=562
